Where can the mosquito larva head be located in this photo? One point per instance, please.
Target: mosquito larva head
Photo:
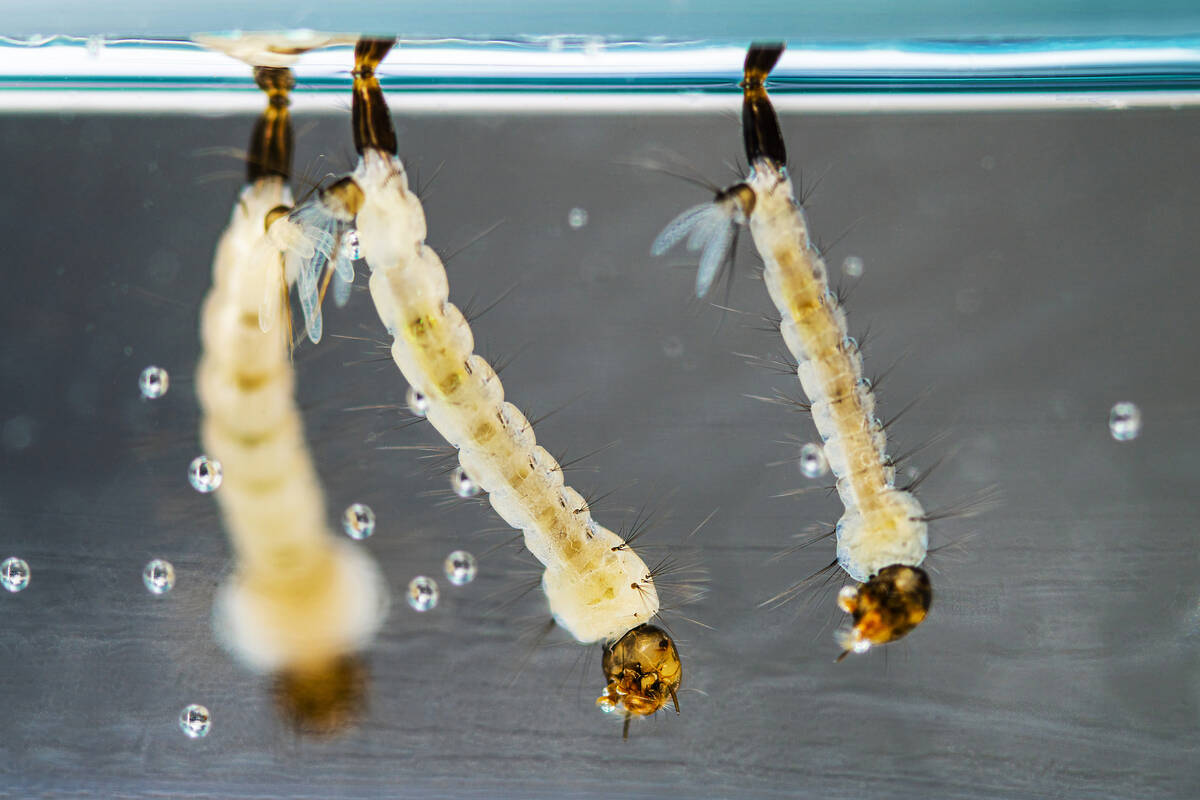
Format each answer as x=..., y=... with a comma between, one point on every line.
x=643, y=673
x=741, y=198
x=343, y=198
x=275, y=214
x=323, y=698
x=885, y=608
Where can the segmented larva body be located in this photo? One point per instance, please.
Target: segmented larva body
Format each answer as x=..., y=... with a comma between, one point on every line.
x=882, y=525
x=882, y=537
x=299, y=596
x=597, y=586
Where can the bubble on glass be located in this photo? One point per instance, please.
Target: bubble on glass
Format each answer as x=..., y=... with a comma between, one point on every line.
x=422, y=593
x=462, y=484
x=460, y=567
x=154, y=382
x=1125, y=421
x=14, y=574
x=812, y=461
x=418, y=403
x=577, y=218
x=159, y=576
x=351, y=245
x=195, y=721
x=205, y=474
x=672, y=347
x=358, y=521
x=852, y=266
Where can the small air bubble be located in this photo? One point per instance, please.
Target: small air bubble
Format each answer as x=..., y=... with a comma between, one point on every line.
x=351, y=246
x=1125, y=421
x=460, y=567
x=14, y=574
x=205, y=474
x=358, y=521
x=195, y=721
x=852, y=266
x=812, y=461
x=462, y=484
x=418, y=403
x=672, y=347
x=577, y=218
x=159, y=576
x=422, y=593
x=154, y=382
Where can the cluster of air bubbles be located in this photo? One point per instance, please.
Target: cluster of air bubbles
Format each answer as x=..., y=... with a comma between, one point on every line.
x=460, y=567
x=852, y=266
x=195, y=721
x=422, y=593
x=14, y=574
x=418, y=403
x=159, y=576
x=812, y=461
x=205, y=474
x=154, y=382
x=462, y=484
x=358, y=521
x=577, y=218
x=351, y=246
x=1125, y=421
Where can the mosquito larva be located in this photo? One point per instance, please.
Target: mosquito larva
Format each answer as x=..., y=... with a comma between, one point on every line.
x=882, y=537
x=301, y=602
x=598, y=588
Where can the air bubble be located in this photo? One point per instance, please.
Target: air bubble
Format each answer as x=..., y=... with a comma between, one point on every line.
x=159, y=576
x=852, y=266
x=358, y=521
x=205, y=474
x=1125, y=421
x=577, y=218
x=154, y=382
x=195, y=721
x=351, y=246
x=14, y=574
x=422, y=593
x=812, y=461
x=463, y=485
x=460, y=567
x=418, y=403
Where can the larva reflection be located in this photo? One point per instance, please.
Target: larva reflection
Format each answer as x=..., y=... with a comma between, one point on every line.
x=598, y=588
x=882, y=536
x=301, y=603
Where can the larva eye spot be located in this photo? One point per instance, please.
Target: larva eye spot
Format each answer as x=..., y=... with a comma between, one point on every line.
x=322, y=699
x=885, y=608
x=275, y=214
x=643, y=672
x=343, y=198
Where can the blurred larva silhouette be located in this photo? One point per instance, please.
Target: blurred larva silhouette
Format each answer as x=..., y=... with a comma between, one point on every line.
x=301, y=602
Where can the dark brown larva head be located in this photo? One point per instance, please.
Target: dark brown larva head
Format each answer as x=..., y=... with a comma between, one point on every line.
x=322, y=699
x=885, y=608
x=643, y=672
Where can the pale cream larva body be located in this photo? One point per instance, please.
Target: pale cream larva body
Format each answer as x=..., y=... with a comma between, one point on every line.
x=882, y=525
x=597, y=586
x=298, y=596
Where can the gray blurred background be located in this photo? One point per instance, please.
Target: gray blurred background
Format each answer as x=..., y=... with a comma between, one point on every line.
x=1031, y=270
